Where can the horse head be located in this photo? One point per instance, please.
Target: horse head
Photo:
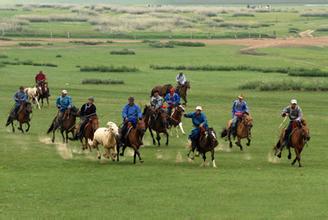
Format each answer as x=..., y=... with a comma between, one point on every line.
x=28, y=107
x=210, y=136
x=187, y=84
x=141, y=126
x=305, y=131
x=247, y=121
x=112, y=127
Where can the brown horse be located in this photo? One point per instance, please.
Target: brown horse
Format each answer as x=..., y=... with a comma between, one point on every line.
x=134, y=140
x=182, y=91
x=163, y=90
x=88, y=132
x=43, y=93
x=23, y=117
x=175, y=119
x=206, y=142
x=67, y=125
x=244, y=127
x=299, y=136
x=157, y=121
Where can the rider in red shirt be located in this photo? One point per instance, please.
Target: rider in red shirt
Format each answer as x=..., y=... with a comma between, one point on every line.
x=41, y=81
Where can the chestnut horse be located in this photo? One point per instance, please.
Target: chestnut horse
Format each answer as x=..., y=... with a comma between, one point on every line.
x=244, y=127
x=206, y=142
x=134, y=139
x=88, y=132
x=163, y=90
x=157, y=121
x=175, y=120
x=23, y=117
x=299, y=136
x=182, y=91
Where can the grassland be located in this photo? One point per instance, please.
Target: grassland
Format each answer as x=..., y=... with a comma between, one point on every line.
x=43, y=180
x=162, y=21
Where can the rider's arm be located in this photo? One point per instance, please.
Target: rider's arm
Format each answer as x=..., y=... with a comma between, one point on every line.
x=246, y=109
x=285, y=112
x=189, y=115
x=233, y=109
x=177, y=99
x=125, y=112
x=139, y=112
x=300, y=114
x=70, y=103
x=58, y=103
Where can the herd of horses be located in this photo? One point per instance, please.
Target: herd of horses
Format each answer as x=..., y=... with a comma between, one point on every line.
x=160, y=123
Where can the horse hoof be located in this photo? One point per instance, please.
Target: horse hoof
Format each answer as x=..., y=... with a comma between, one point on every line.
x=99, y=157
x=248, y=144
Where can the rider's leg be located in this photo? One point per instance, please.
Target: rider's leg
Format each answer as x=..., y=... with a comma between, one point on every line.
x=234, y=125
x=287, y=134
x=82, y=125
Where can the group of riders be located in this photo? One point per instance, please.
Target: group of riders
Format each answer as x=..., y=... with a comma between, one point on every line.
x=131, y=112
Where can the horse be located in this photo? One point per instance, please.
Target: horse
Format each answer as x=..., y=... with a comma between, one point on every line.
x=67, y=124
x=43, y=93
x=134, y=139
x=23, y=117
x=88, y=131
x=206, y=142
x=243, y=130
x=299, y=136
x=108, y=138
x=182, y=91
x=33, y=95
x=175, y=120
x=157, y=121
x=163, y=90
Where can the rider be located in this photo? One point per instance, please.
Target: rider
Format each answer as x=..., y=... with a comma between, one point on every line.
x=130, y=114
x=63, y=103
x=181, y=80
x=87, y=111
x=41, y=79
x=172, y=99
x=156, y=100
x=198, y=120
x=294, y=112
x=20, y=98
x=239, y=108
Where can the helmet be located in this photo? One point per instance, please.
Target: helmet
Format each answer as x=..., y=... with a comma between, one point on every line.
x=64, y=92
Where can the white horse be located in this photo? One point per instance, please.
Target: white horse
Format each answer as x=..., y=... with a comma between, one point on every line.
x=108, y=138
x=33, y=95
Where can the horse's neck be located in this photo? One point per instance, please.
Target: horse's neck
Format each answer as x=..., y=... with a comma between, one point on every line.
x=242, y=129
x=297, y=137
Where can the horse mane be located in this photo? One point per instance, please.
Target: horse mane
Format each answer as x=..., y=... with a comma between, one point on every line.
x=112, y=126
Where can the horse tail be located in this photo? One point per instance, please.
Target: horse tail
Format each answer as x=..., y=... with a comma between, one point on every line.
x=224, y=132
x=9, y=120
x=51, y=128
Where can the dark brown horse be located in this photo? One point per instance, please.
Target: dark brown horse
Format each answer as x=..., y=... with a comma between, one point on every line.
x=158, y=122
x=182, y=91
x=23, y=117
x=244, y=127
x=206, y=143
x=134, y=140
x=163, y=90
x=88, y=132
x=299, y=136
x=66, y=124
x=175, y=119
x=43, y=92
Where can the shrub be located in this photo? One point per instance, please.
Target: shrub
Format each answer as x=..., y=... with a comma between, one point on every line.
x=253, y=52
x=187, y=43
x=27, y=44
x=102, y=81
x=108, y=69
x=323, y=29
x=240, y=14
x=158, y=44
x=28, y=63
x=315, y=14
x=58, y=56
x=294, y=30
x=88, y=42
x=285, y=85
x=5, y=39
x=123, y=52
x=3, y=56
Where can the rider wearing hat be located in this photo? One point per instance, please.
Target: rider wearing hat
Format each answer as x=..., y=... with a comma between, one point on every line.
x=198, y=120
x=294, y=112
x=172, y=99
x=239, y=108
x=156, y=100
x=63, y=103
x=130, y=114
x=87, y=111
x=20, y=98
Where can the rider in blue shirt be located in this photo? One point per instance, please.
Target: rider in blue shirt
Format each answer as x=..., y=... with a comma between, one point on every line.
x=63, y=103
x=20, y=98
x=239, y=108
x=172, y=99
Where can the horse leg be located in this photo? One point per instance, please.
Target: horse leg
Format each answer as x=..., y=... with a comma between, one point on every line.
x=248, y=141
x=28, y=126
x=152, y=136
x=134, y=156
x=299, y=157
x=158, y=138
x=118, y=152
x=229, y=138
x=213, y=160
x=177, y=131
x=12, y=126
x=21, y=127
x=139, y=156
x=37, y=103
x=62, y=133
x=181, y=128
x=53, y=136
x=167, y=138
x=296, y=156
x=289, y=154
x=66, y=139
x=239, y=144
x=204, y=159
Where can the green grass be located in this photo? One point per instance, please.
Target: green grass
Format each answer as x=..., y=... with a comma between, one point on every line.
x=37, y=183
